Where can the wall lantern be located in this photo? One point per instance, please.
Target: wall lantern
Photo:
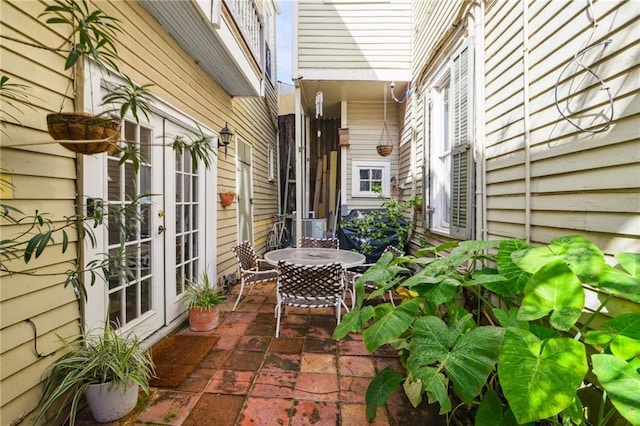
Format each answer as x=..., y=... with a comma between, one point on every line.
x=225, y=138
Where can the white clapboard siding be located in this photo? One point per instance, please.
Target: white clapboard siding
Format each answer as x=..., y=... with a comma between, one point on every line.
x=365, y=128
x=341, y=35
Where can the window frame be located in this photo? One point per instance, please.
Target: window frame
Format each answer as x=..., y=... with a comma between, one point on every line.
x=357, y=166
x=451, y=169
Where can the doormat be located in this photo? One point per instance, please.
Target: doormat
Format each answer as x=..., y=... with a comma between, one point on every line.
x=177, y=356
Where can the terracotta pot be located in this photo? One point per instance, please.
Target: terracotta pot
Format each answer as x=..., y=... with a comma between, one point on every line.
x=384, y=150
x=201, y=319
x=226, y=199
x=84, y=127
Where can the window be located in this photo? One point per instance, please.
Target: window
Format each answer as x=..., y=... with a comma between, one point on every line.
x=366, y=175
x=451, y=167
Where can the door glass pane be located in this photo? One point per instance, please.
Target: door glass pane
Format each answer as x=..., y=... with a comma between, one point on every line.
x=145, y=296
x=130, y=289
x=187, y=205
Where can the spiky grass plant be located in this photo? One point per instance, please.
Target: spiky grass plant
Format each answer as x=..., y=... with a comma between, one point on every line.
x=109, y=357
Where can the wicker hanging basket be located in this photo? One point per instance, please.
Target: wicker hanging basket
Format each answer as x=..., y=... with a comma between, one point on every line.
x=95, y=134
x=385, y=146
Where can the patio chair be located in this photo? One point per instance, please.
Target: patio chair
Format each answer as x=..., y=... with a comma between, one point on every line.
x=249, y=268
x=309, y=242
x=316, y=286
x=352, y=274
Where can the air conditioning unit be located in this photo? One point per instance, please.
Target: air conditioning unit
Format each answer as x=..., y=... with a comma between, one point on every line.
x=314, y=228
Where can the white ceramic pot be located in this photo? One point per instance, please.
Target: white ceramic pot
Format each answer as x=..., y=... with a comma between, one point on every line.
x=108, y=404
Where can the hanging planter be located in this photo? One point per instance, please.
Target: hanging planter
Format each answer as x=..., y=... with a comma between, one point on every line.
x=226, y=198
x=83, y=127
x=385, y=146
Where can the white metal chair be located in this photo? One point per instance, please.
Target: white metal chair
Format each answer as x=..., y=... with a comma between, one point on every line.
x=310, y=242
x=317, y=286
x=249, y=268
x=351, y=275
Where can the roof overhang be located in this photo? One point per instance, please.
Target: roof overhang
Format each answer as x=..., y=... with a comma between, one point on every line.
x=203, y=30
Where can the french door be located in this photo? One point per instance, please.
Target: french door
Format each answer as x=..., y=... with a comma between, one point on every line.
x=165, y=245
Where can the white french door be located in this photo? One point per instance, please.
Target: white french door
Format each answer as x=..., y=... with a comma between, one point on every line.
x=172, y=235
x=132, y=299
x=185, y=233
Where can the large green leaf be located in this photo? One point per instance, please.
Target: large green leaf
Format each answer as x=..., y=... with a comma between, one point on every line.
x=436, y=385
x=391, y=325
x=379, y=390
x=516, y=277
x=553, y=288
x=623, y=335
x=491, y=412
x=625, y=279
x=540, y=378
x=510, y=319
x=353, y=322
x=466, y=358
x=622, y=383
x=583, y=257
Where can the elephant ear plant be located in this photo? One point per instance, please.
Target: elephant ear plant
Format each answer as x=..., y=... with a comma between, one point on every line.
x=502, y=329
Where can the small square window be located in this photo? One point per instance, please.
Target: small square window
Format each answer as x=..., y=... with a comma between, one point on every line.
x=367, y=175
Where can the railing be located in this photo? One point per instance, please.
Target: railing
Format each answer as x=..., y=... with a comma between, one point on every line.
x=249, y=21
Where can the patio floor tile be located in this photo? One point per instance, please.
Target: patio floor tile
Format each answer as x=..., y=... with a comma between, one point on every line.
x=304, y=377
x=266, y=412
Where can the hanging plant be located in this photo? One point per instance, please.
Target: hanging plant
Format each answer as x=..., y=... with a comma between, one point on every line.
x=385, y=146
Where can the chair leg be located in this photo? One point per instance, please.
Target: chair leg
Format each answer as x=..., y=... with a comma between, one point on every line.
x=239, y=295
x=278, y=311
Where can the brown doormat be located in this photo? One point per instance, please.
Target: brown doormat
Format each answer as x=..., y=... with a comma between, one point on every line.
x=177, y=356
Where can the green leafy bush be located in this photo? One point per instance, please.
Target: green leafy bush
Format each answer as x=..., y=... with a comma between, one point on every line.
x=501, y=328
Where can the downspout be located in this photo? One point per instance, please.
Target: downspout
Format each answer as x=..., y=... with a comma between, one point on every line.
x=481, y=177
x=298, y=152
x=526, y=121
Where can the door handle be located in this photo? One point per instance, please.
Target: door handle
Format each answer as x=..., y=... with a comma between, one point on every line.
x=161, y=229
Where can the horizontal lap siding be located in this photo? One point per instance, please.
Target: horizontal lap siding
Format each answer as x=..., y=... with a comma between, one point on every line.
x=365, y=128
x=580, y=182
x=43, y=175
x=434, y=22
x=354, y=36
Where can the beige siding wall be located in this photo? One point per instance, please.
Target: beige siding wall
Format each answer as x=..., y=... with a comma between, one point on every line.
x=365, y=128
x=579, y=183
x=44, y=174
x=436, y=24
x=354, y=35
x=34, y=306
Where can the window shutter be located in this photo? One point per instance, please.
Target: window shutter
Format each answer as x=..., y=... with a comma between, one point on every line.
x=461, y=219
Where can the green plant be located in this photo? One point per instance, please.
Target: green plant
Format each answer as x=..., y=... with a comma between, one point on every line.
x=39, y=230
x=203, y=294
x=108, y=357
x=93, y=33
x=501, y=328
x=372, y=229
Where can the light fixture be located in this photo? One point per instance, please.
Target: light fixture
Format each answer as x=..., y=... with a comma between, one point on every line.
x=225, y=138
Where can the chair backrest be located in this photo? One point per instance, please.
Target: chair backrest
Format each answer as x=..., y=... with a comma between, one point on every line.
x=395, y=251
x=310, y=282
x=332, y=243
x=246, y=255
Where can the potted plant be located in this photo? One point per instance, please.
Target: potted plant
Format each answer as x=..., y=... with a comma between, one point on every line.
x=226, y=198
x=108, y=368
x=203, y=298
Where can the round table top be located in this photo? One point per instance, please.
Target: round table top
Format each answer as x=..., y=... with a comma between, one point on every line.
x=315, y=256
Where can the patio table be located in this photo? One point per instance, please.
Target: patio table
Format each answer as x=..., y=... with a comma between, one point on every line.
x=315, y=256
